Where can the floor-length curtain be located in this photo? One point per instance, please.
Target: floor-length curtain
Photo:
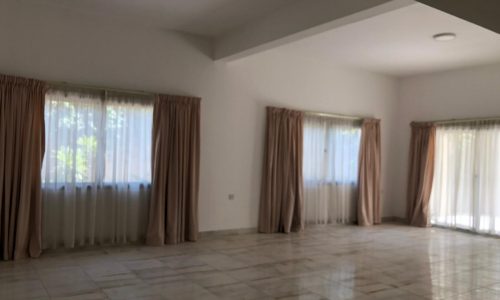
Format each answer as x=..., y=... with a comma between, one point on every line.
x=173, y=212
x=421, y=173
x=330, y=163
x=281, y=202
x=466, y=185
x=21, y=155
x=369, y=173
x=97, y=168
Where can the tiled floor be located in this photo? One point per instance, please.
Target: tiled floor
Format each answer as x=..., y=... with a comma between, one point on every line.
x=327, y=262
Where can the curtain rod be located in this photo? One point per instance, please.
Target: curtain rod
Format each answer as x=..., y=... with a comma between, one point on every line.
x=63, y=84
x=466, y=120
x=337, y=116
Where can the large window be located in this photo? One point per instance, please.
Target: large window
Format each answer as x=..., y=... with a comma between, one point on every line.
x=91, y=140
x=466, y=186
x=97, y=167
x=330, y=169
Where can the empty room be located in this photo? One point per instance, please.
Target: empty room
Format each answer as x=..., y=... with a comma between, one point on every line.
x=249, y=149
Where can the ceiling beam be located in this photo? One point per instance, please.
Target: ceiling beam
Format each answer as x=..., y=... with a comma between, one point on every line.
x=297, y=21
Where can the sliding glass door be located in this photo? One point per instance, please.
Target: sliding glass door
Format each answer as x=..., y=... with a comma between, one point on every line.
x=466, y=186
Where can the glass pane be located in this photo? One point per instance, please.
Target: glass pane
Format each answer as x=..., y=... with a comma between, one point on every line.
x=346, y=155
x=71, y=129
x=331, y=150
x=93, y=141
x=128, y=142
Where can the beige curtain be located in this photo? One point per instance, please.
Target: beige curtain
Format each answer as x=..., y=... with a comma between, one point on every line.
x=173, y=212
x=369, y=174
x=421, y=173
x=281, y=202
x=21, y=154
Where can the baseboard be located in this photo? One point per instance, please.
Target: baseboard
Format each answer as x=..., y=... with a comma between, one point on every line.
x=394, y=219
x=225, y=232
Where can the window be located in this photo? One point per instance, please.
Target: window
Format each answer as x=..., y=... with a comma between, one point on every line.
x=465, y=192
x=331, y=151
x=97, y=167
x=330, y=169
x=89, y=140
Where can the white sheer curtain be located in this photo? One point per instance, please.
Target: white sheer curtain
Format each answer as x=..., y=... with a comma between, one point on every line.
x=466, y=186
x=97, y=168
x=330, y=169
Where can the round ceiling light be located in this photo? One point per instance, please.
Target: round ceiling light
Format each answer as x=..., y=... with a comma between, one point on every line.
x=445, y=36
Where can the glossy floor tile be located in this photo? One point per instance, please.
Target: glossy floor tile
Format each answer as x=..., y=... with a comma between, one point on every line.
x=323, y=262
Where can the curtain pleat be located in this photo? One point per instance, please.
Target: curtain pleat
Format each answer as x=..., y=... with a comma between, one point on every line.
x=22, y=147
x=421, y=173
x=173, y=213
x=89, y=215
x=281, y=202
x=369, y=174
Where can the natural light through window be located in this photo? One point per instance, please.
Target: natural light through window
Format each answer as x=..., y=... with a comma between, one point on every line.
x=89, y=140
x=331, y=153
x=96, y=173
x=466, y=189
x=330, y=169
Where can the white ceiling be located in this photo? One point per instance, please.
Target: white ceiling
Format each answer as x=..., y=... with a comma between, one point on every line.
x=397, y=43
x=210, y=18
x=400, y=43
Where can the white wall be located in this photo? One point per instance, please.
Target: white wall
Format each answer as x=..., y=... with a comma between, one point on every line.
x=59, y=45
x=466, y=93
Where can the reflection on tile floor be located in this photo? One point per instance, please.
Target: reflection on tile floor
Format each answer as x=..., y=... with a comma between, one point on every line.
x=324, y=262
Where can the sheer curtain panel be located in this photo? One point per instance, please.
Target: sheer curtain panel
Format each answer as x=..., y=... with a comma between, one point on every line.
x=466, y=189
x=96, y=173
x=21, y=154
x=331, y=154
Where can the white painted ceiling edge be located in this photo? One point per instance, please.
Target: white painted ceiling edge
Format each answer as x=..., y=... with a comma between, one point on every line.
x=298, y=21
x=236, y=28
